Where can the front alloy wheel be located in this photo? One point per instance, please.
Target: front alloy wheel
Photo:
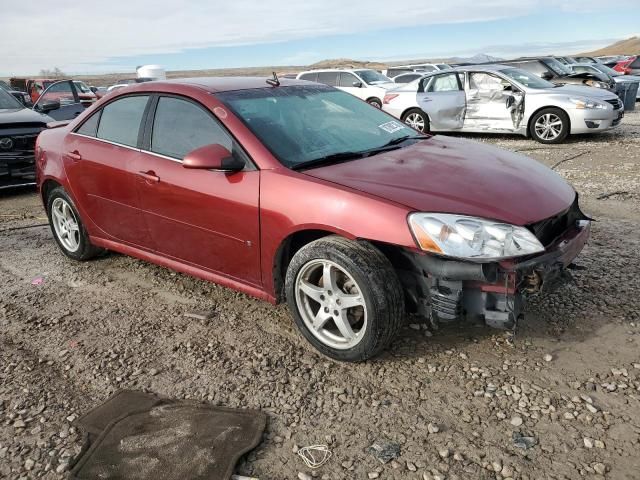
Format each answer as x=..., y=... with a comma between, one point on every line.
x=550, y=125
x=330, y=304
x=345, y=297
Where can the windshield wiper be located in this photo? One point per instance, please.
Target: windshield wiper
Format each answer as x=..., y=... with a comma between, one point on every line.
x=330, y=159
x=345, y=156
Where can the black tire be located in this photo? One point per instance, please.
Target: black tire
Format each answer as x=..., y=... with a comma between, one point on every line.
x=375, y=102
x=378, y=285
x=85, y=249
x=564, y=130
x=417, y=112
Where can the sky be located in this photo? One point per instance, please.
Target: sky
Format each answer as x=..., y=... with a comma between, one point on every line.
x=116, y=36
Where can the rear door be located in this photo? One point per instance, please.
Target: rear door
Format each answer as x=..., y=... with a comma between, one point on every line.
x=66, y=94
x=99, y=158
x=201, y=217
x=442, y=98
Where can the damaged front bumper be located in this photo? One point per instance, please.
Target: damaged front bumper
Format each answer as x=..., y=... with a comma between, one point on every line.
x=444, y=290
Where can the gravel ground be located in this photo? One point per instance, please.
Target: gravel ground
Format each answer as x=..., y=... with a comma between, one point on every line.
x=558, y=401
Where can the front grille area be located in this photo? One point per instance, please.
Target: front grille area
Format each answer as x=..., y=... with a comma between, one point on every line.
x=548, y=230
x=17, y=161
x=617, y=103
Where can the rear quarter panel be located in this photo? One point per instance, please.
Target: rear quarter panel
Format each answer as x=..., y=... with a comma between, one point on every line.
x=49, y=164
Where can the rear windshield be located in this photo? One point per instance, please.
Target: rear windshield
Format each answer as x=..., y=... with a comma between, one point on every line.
x=299, y=124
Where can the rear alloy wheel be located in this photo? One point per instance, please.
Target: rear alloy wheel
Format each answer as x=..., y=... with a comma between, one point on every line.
x=67, y=228
x=345, y=297
x=375, y=102
x=550, y=125
x=417, y=120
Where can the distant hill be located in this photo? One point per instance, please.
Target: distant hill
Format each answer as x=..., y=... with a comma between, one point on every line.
x=630, y=46
x=346, y=63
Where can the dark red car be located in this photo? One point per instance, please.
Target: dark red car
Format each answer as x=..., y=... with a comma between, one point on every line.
x=301, y=192
x=630, y=66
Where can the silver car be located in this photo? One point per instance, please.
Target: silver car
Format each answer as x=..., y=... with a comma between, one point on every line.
x=502, y=99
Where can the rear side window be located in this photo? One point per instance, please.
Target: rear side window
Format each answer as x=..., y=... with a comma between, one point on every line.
x=406, y=78
x=328, y=78
x=180, y=126
x=311, y=77
x=90, y=127
x=444, y=83
x=120, y=120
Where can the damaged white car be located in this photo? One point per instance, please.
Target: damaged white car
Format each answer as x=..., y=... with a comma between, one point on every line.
x=502, y=99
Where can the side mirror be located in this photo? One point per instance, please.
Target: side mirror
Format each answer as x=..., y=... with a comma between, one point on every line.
x=213, y=157
x=93, y=89
x=357, y=84
x=48, y=105
x=547, y=75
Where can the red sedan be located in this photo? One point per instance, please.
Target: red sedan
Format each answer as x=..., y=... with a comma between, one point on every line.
x=294, y=190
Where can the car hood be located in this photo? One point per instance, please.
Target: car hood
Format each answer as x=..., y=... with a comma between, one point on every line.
x=451, y=175
x=15, y=116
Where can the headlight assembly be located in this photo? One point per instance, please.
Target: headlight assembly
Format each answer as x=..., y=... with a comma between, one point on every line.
x=471, y=238
x=596, y=83
x=583, y=103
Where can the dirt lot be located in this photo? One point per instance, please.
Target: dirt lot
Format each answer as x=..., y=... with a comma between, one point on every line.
x=456, y=400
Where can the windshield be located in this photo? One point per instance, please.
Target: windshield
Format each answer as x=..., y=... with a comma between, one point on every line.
x=372, y=77
x=302, y=124
x=557, y=67
x=526, y=79
x=7, y=101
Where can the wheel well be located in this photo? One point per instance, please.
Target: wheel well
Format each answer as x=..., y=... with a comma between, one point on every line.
x=543, y=108
x=46, y=189
x=287, y=249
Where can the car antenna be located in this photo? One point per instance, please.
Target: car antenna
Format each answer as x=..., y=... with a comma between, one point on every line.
x=274, y=82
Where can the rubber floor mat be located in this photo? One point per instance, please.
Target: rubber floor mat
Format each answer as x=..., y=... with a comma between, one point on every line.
x=150, y=438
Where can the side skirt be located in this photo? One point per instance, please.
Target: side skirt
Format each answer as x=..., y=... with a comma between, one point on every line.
x=183, y=268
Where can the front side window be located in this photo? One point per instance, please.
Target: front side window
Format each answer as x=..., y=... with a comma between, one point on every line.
x=180, y=126
x=120, y=120
x=301, y=124
x=444, y=83
x=8, y=101
x=61, y=91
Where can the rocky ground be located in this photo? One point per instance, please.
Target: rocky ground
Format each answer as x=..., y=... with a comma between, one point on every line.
x=560, y=400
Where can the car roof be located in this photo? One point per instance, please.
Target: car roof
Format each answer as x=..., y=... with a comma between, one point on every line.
x=219, y=84
x=494, y=67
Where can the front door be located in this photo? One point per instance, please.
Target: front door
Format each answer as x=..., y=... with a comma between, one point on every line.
x=442, y=98
x=66, y=94
x=99, y=157
x=208, y=219
x=492, y=103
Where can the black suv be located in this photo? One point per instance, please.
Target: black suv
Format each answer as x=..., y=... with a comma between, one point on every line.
x=551, y=69
x=20, y=126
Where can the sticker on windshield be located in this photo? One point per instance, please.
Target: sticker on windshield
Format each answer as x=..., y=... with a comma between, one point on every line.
x=391, y=127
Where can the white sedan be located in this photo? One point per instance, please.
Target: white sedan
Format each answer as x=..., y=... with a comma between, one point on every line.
x=491, y=98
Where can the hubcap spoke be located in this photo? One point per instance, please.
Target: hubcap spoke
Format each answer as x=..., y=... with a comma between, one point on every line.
x=329, y=278
x=312, y=291
x=320, y=319
x=342, y=322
